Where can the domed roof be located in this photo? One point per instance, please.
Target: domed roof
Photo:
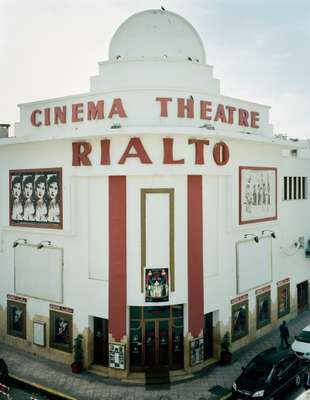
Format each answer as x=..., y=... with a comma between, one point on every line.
x=156, y=35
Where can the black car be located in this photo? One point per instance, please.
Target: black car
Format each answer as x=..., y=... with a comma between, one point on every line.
x=268, y=374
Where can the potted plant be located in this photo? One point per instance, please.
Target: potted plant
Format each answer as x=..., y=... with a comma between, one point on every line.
x=77, y=365
x=226, y=356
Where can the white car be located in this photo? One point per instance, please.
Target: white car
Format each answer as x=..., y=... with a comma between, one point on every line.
x=301, y=344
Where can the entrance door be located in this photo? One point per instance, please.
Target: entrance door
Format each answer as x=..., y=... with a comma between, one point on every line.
x=302, y=296
x=208, y=335
x=101, y=341
x=156, y=336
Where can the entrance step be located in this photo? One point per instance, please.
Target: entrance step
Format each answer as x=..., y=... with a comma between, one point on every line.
x=157, y=377
x=99, y=370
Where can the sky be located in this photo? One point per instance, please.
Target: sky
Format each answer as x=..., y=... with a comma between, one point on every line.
x=260, y=50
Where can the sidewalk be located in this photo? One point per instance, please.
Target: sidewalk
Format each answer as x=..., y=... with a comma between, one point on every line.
x=59, y=379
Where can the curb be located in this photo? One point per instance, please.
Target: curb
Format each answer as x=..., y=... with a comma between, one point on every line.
x=41, y=387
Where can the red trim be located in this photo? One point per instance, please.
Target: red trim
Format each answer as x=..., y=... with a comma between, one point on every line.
x=195, y=254
x=117, y=257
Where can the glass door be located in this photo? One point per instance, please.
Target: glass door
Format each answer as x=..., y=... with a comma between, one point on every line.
x=150, y=344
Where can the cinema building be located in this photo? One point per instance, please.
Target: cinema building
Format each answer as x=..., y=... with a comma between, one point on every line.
x=151, y=215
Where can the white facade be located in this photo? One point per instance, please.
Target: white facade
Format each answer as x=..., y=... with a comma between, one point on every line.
x=149, y=59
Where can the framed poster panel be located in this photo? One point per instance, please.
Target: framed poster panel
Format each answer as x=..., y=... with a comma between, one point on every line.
x=263, y=309
x=156, y=285
x=36, y=198
x=16, y=319
x=239, y=320
x=39, y=333
x=257, y=194
x=283, y=300
x=61, y=331
x=197, y=351
x=117, y=356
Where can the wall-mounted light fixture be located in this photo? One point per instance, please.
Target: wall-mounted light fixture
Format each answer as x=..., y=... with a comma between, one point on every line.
x=19, y=241
x=255, y=237
x=43, y=243
x=272, y=233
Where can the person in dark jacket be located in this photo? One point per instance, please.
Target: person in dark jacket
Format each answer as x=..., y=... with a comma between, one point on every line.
x=284, y=334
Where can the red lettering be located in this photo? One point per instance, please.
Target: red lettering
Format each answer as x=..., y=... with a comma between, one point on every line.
x=105, y=152
x=221, y=153
x=220, y=114
x=95, y=111
x=80, y=152
x=47, y=116
x=243, y=117
x=168, y=152
x=117, y=109
x=135, y=143
x=189, y=107
x=33, y=118
x=205, y=108
x=231, y=111
x=163, y=105
x=60, y=114
x=254, y=119
x=199, y=146
x=76, y=110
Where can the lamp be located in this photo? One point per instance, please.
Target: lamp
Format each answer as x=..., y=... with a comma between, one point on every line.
x=255, y=237
x=18, y=241
x=41, y=244
x=272, y=233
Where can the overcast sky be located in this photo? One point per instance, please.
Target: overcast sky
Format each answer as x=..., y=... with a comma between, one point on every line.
x=260, y=50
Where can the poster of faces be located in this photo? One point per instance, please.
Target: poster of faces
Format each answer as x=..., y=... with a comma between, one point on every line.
x=257, y=194
x=36, y=198
x=156, y=284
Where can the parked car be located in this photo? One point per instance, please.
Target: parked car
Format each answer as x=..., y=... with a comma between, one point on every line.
x=301, y=344
x=267, y=374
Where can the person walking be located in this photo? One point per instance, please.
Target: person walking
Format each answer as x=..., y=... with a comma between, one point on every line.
x=307, y=380
x=284, y=334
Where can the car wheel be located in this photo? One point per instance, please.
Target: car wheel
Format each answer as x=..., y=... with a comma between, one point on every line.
x=297, y=380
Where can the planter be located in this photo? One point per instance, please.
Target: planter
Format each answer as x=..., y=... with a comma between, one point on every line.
x=226, y=357
x=76, y=367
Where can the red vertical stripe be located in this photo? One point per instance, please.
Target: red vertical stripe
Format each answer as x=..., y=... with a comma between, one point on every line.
x=195, y=254
x=117, y=257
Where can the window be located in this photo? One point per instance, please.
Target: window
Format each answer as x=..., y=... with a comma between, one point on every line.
x=61, y=331
x=283, y=300
x=295, y=187
x=239, y=320
x=16, y=315
x=262, y=310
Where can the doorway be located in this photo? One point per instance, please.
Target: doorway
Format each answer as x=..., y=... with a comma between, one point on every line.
x=101, y=341
x=156, y=338
x=208, y=336
x=302, y=296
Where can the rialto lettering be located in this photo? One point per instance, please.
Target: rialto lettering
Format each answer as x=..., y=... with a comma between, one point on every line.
x=81, y=152
x=189, y=108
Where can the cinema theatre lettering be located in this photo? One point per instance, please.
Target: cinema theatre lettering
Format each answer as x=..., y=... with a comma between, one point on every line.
x=185, y=108
x=81, y=152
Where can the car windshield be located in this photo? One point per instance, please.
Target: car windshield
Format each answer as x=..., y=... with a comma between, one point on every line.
x=257, y=370
x=304, y=336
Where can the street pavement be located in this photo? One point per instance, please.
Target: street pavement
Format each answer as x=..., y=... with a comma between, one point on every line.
x=58, y=378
